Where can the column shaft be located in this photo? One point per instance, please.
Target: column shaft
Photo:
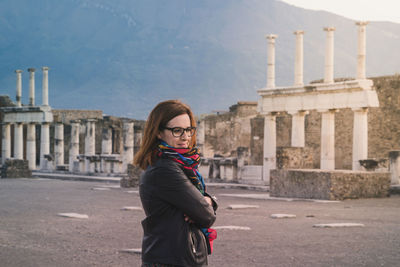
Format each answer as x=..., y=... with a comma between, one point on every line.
x=360, y=137
x=361, y=51
x=328, y=140
x=106, y=142
x=44, y=144
x=127, y=153
x=298, y=129
x=19, y=87
x=329, y=55
x=59, y=144
x=45, y=86
x=18, y=141
x=31, y=86
x=271, y=61
x=6, y=143
x=269, y=146
x=90, y=142
x=31, y=145
x=74, y=145
x=298, y=64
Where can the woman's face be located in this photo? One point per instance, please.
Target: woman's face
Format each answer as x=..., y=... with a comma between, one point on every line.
x=182, y=121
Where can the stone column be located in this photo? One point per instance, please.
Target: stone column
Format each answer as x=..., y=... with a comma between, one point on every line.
x=90, y=144
x=31, y=86
x=298, y=64
x=31, y=145
x=394, y=166
x=360, y=137
x=361, y=51
x=45, y=86
x=106, y=142
x=18, y=141
x=329, y=52
x=44, y=144
x=19, y=87
x=269, y=145
x=328, y=139
x=74, y=146
x=298, y=131
x=59, y=144
x=271, y=61
x=127, y=153
x=6, y=142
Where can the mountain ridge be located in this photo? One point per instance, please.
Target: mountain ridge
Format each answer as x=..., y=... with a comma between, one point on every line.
x=124, y=57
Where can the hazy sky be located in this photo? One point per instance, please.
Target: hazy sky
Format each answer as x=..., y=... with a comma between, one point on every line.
x=370, y=10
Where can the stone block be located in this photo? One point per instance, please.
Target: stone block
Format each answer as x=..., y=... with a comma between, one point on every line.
x=294, y=158
x=16, y=168
x=132, y=180
x=330, y=185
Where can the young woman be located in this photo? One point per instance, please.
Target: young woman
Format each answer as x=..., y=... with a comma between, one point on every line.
x=178, y=209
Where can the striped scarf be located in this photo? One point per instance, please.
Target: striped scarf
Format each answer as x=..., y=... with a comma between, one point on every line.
x=188, y=159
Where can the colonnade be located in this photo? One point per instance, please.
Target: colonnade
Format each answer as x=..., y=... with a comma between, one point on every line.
x=327, y=98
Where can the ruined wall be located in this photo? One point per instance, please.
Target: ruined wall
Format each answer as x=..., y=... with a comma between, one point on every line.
x=223, y=133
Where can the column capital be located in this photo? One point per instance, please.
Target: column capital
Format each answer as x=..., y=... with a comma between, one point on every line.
x=329, y=29
x=327, y=110
x=75, y=121
x=362, y=109
x=18, y=71
x=362, y=23
x=298, y=32
x=45, y=68
x=271, y=37
x=300, y=112
x=31, y=69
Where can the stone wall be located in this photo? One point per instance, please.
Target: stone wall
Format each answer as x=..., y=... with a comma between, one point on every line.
x=330, y=185
x=16, y=168
x=225, y=132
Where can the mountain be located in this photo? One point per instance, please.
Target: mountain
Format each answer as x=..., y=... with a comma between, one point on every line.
x=124, y=56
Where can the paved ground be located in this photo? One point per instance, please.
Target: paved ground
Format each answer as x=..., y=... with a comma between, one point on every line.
x=32, y=234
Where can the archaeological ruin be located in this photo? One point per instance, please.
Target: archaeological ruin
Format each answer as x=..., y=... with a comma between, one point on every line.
x=342, y=132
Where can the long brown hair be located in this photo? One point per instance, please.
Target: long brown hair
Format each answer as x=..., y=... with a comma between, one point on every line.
x=159, y=118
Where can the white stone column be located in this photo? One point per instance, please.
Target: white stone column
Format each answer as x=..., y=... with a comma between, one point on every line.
x=360, y=137
x=31, y=86
x=106, y=142
x=329, y=55
x=90, y=144
x=59, y=144
x=19, y=87
x=361, y=51
x=298, y=128
x=328, y=139
x=18, y=141
x=44, y=144
x=271, y=61
x=6, y=142
x=45, y=86
x=269, y=145
x=74, y=146
x=298, y=60
x=31, y=145
x=127, y=153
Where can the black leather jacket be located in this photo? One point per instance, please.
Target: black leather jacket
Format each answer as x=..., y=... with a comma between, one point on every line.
x=167, y=195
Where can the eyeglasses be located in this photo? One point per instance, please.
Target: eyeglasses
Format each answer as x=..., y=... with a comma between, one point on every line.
x=178, y=131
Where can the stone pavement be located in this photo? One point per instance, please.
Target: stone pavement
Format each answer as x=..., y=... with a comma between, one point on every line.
x=51, y=222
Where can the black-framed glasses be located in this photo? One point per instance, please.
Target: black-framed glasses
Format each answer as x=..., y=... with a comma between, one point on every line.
x=178, y=131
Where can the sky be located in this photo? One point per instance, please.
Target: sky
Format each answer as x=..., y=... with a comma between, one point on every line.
x=367, y=10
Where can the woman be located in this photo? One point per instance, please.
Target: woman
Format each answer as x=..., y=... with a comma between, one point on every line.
x=178, y=210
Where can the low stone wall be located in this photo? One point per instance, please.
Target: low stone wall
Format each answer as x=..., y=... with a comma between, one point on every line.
x=330, y=185
x=132, y=180
x=16, y=168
